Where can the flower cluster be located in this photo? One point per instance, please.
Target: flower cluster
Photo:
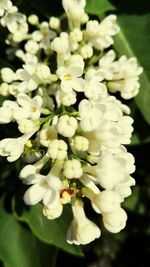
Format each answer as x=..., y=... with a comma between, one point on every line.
x=72, y=126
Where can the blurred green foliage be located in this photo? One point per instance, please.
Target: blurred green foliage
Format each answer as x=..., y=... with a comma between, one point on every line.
x=28, y=239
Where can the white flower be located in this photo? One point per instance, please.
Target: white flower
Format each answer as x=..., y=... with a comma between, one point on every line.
x=113, y=169
x=82, y=230
x=61, y=44
x=80, y=143
x=6, y=115
x=57, y=149
x=95, y=90
x=16, y=23
x=54, y=212
x=90, y=115
x=123, y=188
x=7, y=111
x=54, y=23
x=29, y=170
x=31, y=47
x=66, y=99
x=106, y=66
x=27, y=126
x=27, y=58
x=67, y=126
x=33, y=75
x=45, y=189
x=126, y=129
x=4, y=89
x=106, y=201
x=115, y=221
x=7, y=75
x=47, y=135
x=4, y=5
x=44, y=36
x=70, y=77
x=76, y=35
x=72, y=169
x=100, y=35
x=30, y=107
x=33, y=19
x=86, y=51
x=74, y=10
x=126, y=78
x=12, y=148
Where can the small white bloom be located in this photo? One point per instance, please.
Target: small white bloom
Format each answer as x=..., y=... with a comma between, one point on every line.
x=27, y=126
x=7, y=111
x=7, y=74
x=44, y=74
x=53, y=213
x=123, y=188
x=86, y=51
x=66, y=99
x=70, y=77
x=16, y=24
x=12, y=148
x=76, y=35
x=31, y=47
x=80, y=143
x=106, y=66
x=61, y=44
x=32, y=75
x=6, y=115
x=45, y=189
x=33, y=19
x=47, y=135
x=107, y=201
x=67, y=126
x=113, y=169
x=4, y=89
x=4, y=5
x=95, y=90
x=126, y=78
x=100, y=35
x=57, y=149
x=72, y=169
x=30, y=107
x=27, y=171
x=82, y=230
x=75, y=11
x=27, y=58
x=54, y=23
x=115, y=221
x=90, y=115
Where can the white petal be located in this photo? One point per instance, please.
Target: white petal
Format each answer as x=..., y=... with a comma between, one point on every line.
x=34, y=194
x=78, y=84
x=24, y=100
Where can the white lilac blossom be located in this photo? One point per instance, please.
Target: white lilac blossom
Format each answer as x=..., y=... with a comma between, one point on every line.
x=63, y=101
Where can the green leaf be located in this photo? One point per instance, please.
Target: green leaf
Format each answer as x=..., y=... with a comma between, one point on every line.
x=49, y=231
x=141, y=134
x=18, y=247
x=133, y=40
x=98, y=7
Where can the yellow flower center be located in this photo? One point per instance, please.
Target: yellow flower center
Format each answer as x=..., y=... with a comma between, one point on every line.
x=67, y=77
x=34, y=109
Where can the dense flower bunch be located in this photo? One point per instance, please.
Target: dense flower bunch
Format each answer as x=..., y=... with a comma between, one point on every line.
x=72, y=127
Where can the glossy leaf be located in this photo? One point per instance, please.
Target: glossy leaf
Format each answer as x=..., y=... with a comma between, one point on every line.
x=49, y=231
x=17, y=245
x=98, y=7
